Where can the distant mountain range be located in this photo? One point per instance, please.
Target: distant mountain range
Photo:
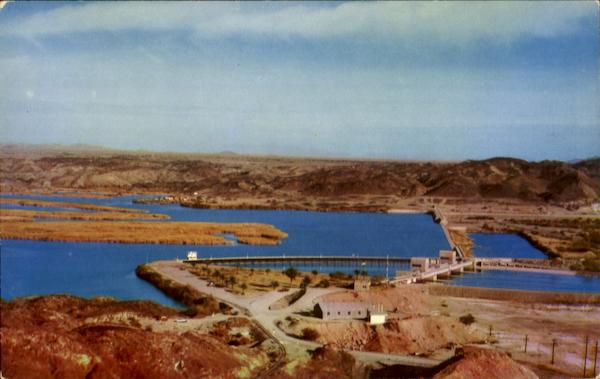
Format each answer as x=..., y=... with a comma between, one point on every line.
x=92, y=168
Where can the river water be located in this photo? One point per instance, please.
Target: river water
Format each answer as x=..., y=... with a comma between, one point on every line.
x=94, y=269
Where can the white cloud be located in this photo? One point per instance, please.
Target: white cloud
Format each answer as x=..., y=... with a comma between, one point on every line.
x=457, y=23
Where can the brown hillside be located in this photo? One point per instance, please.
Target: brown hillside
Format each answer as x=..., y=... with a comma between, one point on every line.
x=482, y=363
x=511, y=178
x=69, y=337
x=591, y=167
x=296, y=182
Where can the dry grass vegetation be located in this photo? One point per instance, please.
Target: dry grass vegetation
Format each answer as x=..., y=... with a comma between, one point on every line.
x=30, y=215
x=253, y=280
x=462, y=239
x=98, y=226
x=199, y=233
x=66, y=204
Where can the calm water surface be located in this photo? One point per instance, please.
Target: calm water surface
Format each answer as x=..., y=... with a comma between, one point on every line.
x=529, y=281
x=83, y=269
x=504, y=245
x=92, y=269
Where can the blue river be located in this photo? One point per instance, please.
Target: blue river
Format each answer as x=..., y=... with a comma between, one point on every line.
x=104, y=269
x=488, y=245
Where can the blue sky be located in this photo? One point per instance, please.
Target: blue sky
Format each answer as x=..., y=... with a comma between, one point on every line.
x=407, y=80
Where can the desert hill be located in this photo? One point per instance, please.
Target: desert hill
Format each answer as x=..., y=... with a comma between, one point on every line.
x=591, y=167
x=30, y=168
x=512, y=178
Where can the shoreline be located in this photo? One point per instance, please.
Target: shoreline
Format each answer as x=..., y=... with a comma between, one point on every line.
x=407, y=211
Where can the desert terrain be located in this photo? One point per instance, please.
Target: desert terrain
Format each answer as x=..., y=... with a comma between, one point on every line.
x=422, y=323
x=64, y=336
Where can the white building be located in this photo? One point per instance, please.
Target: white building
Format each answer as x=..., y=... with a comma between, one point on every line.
x=330, y=310
x=192, y=256
x=354, y=310
x=377, y=315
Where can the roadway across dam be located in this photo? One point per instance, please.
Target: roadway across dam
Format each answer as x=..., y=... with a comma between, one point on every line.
x=301, y=259
x=435, y=268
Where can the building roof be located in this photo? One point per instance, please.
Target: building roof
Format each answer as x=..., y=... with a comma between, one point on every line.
x=334, y=306
x=377, y=309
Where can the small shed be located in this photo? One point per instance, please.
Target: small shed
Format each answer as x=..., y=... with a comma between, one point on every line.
x=448, y=256
x=377, y=315
x=192, y=256
x=362, y=284
x=328, y=310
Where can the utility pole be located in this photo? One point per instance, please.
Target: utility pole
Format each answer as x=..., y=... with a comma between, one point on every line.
x=490, y=334
x=595, y=358
x=387, y=264
x=525, y=343
x=585, y=354
x=553, y=344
